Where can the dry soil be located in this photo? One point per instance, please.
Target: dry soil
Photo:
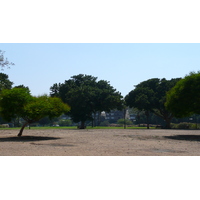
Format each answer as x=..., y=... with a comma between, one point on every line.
x=100, y=142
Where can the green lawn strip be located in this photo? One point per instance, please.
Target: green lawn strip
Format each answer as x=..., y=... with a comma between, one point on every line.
x=74, y=127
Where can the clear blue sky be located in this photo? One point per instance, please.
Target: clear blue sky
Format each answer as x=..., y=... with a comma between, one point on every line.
x=40, y=65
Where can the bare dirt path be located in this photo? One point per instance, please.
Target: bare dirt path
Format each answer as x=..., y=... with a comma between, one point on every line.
x=100, y=142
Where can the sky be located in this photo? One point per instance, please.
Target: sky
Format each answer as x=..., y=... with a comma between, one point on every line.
x=40, y=65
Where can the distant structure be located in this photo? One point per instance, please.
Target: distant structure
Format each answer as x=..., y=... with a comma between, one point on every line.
x=115, y=115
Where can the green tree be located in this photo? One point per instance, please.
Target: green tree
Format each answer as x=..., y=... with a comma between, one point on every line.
x=18, y=102
x=22, y=86
x=183, y=99
x=4, y=61
x=150, y=96
x=86, y=96
x=5, y=83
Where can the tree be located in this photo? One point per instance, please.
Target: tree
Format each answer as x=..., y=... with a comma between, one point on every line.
x=22, y=86
x=183, y=99
x=5, y=83
x=18, y=102
x=4, y=61
x=150, y=96
x=87, y=96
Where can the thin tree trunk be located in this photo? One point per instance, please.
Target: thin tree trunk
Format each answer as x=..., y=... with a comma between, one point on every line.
x=124, y=118
x=99, y=116
x=22, y=128
x=82, y=125
x=147, y=115
x=167, y=126
x=92, y=123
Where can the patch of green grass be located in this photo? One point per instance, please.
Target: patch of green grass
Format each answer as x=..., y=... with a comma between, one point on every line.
x=74, y=127
x=106, y=127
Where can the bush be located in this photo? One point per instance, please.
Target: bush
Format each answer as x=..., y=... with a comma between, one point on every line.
x=105, y=123
x=65, y=122
x=173, y=126
x=4, y=126
x=183, y=125
x=127, y=122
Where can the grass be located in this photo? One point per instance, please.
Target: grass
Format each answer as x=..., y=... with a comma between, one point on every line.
x=106, y=127
x=75, y=127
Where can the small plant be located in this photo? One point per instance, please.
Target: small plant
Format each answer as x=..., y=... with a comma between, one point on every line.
x=184, y=125
x=105, y=123
x=127, y=122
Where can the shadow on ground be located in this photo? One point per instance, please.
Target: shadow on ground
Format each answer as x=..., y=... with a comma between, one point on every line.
x=184, y=137
x=26, y=139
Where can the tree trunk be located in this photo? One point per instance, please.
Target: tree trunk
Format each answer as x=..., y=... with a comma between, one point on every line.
x=167, y=126
x=92, y=123
x=124, y=118
x=82, y=125
x=22, y=128
x=147, y=115
x=99, y=118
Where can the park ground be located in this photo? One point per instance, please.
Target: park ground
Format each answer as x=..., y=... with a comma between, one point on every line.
x=100, y=142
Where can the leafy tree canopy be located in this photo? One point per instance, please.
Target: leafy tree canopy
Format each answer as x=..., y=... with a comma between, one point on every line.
x=18, y=102
x=5, y=83
x=86, y=95
x=183, y=99
x=150, y=96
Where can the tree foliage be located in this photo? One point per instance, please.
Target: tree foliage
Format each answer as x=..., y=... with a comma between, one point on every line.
x=5, y=83
x=18, y=102
x=150, y=96
x=183, y=99
x=86, y=96
x=4, y=61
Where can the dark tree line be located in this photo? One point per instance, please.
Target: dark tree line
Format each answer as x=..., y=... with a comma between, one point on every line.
x=86, y=97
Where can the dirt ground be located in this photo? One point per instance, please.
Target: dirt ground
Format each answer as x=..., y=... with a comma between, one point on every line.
x=100, y=142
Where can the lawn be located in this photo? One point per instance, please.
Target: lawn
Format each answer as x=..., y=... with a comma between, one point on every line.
x=75, y=127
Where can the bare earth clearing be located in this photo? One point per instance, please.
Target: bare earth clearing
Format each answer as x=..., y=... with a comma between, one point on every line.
x=100, y=142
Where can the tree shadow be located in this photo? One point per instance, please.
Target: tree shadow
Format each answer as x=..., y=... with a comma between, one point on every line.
x=26, y=139
x=184, y=137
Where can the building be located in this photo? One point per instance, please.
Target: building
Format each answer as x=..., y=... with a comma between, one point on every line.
x=115, y=115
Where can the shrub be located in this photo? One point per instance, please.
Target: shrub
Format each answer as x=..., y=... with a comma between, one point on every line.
x=183, y=125
x=173, y=126
x=105, y=123
x=4, y=126
x=65, y=122
x=127, y=121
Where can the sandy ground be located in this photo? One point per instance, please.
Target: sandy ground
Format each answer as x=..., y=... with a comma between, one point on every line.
x=100, y=142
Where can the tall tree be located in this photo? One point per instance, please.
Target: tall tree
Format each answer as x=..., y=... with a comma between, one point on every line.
x=18, y=102
x=183, y=99
x=86, y=96
x=150, y=96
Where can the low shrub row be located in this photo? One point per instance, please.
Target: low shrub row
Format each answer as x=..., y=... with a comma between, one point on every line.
x=185, y=125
